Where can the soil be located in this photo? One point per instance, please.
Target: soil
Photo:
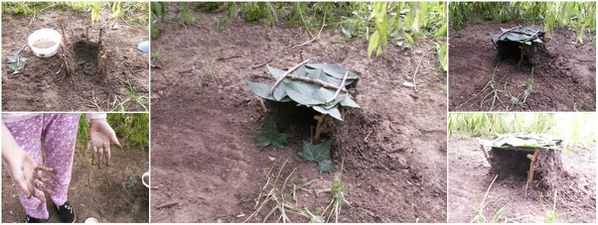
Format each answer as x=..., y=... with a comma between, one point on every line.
x=114, y=194
x=206, y=168
x=564, y=75
x=42, y=85
x=470, y=176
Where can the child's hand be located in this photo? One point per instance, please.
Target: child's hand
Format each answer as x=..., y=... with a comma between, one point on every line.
x=28, y=176
x=100, y=137
x=26, y=173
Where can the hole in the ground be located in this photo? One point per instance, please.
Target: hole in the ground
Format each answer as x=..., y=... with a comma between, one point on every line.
x=86, y=54
x=510, y=51
x=297, y=121
x=510, y=163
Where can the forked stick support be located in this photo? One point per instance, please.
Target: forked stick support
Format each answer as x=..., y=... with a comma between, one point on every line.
x=320, y=121
x=67, y=54
x=532, y=166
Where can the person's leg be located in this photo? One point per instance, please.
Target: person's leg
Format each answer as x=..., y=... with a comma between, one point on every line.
x=59, y=140
x=27, y=134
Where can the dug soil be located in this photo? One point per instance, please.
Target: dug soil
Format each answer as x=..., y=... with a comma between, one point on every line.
x=206, y=168
x=114, y=194
x=562, y=79
x=470, y=176
x=42, y=86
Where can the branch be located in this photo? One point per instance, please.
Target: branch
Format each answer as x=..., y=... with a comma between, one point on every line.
x=285, y=75
x=316, y=81
x=339, y=88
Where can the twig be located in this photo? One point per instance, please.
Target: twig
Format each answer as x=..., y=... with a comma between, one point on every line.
x=261, y=64
x=286, y=74
x=100, y=38
x=339, y=88
x=64, y=37
x=87, y=34
x=416, y=69
x=367, y=136
x=313, y=38
x=262, y=105
x=316, y=81
x=483, y=89
x=166, y=205
x=228, y=57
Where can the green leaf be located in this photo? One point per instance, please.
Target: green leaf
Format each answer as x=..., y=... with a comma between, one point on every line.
x=326, y=166
x=260, y=89
x=306, y=93
x=270, y=136
x=334, y=112
x=276, y=73
x=319, y=153
x=316, y=153
x=349, y=103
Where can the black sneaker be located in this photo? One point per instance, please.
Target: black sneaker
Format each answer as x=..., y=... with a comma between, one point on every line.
x=29, y=219
x=66, y=213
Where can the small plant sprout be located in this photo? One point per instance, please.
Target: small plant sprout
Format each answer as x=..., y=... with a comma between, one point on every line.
x=338, y=196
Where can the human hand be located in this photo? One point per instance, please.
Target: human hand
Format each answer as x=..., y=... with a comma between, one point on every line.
x=101, y=135
x=29, y=176
x=26, y=173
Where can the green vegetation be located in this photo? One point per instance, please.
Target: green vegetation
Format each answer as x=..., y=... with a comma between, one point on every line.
x=380, y=23
x=132, y=130
x=128, y=12
x=573, y=128
x=580, y=16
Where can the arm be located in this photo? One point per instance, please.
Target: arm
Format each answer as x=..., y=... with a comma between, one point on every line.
x=24, y=170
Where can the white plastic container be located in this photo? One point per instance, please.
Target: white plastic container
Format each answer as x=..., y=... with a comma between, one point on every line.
x=145, y=179
x=44, y=42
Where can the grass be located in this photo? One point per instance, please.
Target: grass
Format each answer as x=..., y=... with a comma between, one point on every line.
x=381, y=24
x=580, y=16
x=132, y=129
x=482, y=216
x=569, y=126
x=278, y=199
x=128, y=12
x=337, y=191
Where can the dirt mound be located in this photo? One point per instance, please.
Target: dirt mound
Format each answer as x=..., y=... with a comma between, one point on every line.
x=205, y=118
x=41, y=86
x=560, y=77
x=470, y=174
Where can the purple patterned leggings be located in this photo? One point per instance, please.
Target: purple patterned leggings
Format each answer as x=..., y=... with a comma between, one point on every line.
x=56, y=134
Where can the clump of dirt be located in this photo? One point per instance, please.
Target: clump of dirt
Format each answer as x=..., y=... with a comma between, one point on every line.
x=393, y=148
x=114, y=194
x=42, y=84
x=558, y=75
x=571, y=176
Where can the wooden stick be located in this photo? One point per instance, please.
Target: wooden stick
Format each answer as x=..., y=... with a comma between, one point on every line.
x=320, y=119
x=316, y=81
x=166, y=205
x=100, y=38
x=339, y=88
x=416, y=69
x=485, y=152
x=285, y=75
x=86, y=34
x=64, y=38
x=530, y=175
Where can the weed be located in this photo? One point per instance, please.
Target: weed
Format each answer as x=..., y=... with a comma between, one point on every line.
x=187, y=17
x=337, y=191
